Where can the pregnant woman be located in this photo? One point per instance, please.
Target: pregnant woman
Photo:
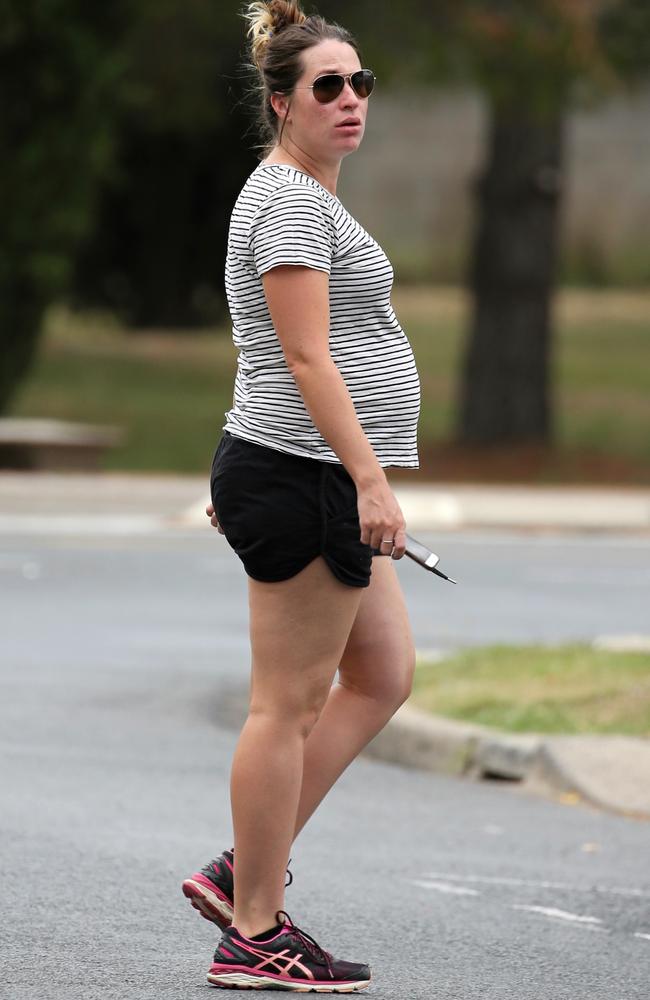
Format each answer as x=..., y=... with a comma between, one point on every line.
x=326, y=397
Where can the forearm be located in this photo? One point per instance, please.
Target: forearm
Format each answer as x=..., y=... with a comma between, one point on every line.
x=331, y=409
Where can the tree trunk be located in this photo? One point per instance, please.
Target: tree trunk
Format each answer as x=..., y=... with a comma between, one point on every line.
x=22, y=305
x=504, y=395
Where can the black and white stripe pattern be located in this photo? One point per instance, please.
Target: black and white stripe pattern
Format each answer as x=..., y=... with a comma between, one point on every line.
x=284, y=216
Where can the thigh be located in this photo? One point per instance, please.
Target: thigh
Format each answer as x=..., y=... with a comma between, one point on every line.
x=379, y=656
x=298, y=630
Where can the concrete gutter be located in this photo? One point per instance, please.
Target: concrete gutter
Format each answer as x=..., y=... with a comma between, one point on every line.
x=611, y=772
x=436, y=506
x=168, y=502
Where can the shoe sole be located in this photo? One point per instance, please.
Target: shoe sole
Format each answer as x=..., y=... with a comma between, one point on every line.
x=242, y=981
x=208, y=903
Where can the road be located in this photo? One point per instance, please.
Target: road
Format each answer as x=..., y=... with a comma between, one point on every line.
x=115, y=651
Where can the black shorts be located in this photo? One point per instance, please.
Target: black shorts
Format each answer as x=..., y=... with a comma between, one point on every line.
x=281, y=511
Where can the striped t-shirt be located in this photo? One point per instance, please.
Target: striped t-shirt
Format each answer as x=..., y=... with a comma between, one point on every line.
x=284, y=216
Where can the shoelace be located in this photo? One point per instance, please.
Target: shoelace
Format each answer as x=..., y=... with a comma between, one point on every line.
x=322, y=956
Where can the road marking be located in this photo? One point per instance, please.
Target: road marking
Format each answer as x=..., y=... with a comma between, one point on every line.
x=456, y=890
x=433, y=882
x=624, y=577
x=537, y=884
x=551, y=911
x=81, y=524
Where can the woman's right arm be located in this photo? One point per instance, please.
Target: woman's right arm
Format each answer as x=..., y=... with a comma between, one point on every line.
x=298, y=301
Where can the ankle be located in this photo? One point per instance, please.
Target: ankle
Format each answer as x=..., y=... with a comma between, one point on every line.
x=254, y=928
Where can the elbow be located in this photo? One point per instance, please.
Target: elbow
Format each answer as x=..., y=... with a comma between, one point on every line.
x=300, y=364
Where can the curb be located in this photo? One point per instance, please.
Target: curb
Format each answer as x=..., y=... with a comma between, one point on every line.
x=33, y=500
x=439, y=506
x=610, y=772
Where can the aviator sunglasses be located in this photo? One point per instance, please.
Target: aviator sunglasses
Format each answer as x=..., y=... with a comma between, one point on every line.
x=327, y=88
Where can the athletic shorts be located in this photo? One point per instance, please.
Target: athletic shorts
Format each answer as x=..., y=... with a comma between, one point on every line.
x=280, y=511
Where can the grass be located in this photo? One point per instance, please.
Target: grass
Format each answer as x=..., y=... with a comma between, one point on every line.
x=566, y=689
x=170, y=389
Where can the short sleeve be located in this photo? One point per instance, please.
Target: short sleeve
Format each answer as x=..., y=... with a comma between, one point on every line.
x=294, y=225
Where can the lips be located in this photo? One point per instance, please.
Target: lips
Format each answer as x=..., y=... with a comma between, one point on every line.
x=349, y=121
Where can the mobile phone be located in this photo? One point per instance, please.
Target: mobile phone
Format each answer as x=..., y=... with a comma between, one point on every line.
x=423, y=556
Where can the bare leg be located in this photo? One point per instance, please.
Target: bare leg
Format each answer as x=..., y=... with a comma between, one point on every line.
x=375, y=678
x=299, y=628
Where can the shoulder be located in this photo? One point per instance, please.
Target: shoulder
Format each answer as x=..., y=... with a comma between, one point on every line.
x=293, y=209
x=281, y=185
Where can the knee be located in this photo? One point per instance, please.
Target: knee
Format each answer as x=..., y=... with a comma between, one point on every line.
x=402, y=681
x=290, y=713
x=387, y=677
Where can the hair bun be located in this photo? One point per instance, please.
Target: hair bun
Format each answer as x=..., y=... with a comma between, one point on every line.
x=266, y=19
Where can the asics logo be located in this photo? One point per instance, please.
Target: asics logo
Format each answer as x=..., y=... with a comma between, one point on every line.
x=280, y=961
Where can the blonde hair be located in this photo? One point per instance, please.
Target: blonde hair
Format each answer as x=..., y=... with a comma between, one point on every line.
x=266, y=19
x=279, y=32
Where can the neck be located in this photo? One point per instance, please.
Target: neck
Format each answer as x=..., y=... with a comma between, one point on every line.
x=289, y=152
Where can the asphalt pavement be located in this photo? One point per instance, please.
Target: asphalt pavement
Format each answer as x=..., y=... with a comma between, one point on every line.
x=611, y=772
x=125, y=635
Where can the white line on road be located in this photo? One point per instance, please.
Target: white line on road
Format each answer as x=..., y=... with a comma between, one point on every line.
x=562, y=540
x=551, y=911
x=640, y=935
x=456, y=890
x=537, y=884
x=607, y=577
x=81, y=524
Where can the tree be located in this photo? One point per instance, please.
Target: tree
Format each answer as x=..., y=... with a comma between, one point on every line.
x=58, y=68
x=532, y=60
x=157, y=251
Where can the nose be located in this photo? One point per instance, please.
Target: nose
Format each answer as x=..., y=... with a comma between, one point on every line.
x=349, y=95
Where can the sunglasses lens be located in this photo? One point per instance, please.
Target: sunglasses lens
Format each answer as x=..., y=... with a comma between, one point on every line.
x=327, y=88
x=363, y=82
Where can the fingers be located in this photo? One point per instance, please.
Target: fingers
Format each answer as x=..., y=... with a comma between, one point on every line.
x=214, y=521
x=400, y=543
x=389, y=542
x=395, y=548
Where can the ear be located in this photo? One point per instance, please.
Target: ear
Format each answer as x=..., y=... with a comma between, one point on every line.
x=280, y=103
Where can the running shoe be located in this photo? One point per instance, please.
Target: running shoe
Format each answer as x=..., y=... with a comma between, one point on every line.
x=289, y=959
x=211, y=891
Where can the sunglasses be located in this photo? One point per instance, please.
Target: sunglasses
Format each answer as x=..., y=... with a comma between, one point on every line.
x=327, y=88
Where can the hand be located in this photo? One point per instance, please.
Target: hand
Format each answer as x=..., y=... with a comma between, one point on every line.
x=380, y=517
x=212, y=514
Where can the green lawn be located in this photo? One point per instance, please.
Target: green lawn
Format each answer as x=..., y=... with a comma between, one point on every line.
x=567, y=689
x=170, y=389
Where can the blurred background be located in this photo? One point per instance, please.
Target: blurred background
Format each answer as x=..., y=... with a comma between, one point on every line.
x=505, y=170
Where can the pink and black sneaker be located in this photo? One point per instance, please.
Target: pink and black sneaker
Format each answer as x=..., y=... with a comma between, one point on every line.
x=211, y=890
x=285, y=958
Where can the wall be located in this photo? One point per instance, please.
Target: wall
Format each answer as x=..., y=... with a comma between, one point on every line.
x=410, y=185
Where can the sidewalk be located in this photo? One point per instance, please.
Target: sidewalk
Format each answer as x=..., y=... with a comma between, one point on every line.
x=609, y=772
x=106, y=501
